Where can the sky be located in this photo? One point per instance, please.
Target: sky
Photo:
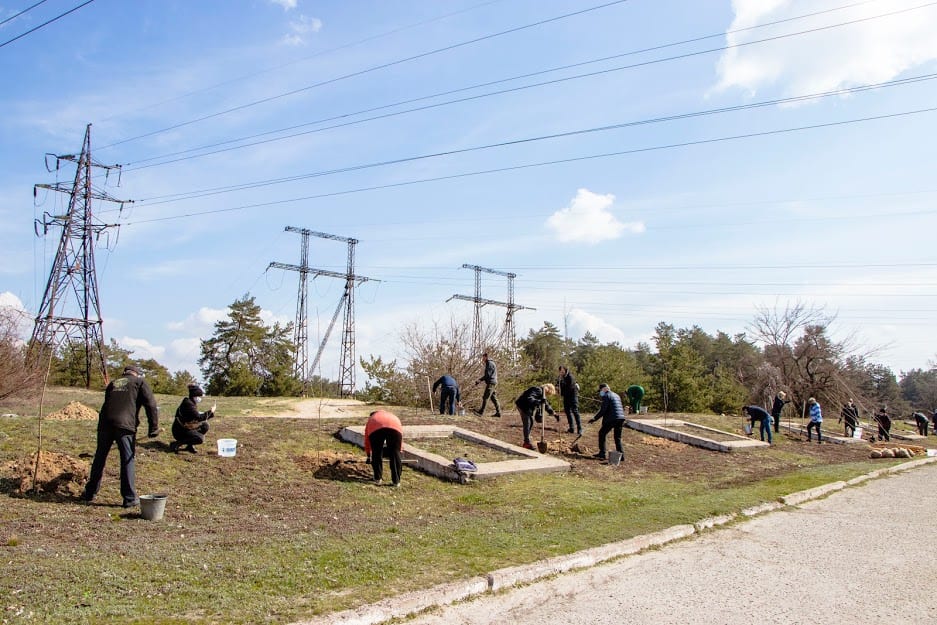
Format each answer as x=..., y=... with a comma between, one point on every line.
x=632, y=162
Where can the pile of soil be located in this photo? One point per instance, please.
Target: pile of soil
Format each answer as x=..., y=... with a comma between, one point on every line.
x=59, y=474
x=656, y=441
x=74, y=411
x=331, y=465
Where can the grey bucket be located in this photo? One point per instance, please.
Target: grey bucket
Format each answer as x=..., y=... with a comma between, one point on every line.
x=614, y=458
x=152, y=507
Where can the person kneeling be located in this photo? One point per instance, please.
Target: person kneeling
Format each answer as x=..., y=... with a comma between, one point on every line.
x=190, y=426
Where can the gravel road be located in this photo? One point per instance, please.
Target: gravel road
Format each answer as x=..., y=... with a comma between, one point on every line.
x=866, y=554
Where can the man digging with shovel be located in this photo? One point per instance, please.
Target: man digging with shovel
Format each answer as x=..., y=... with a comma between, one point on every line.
x=531, y=404
x=612, y=414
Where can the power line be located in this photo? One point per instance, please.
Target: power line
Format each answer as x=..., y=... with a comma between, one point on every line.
x=368, y=70
x=516, y=89
x=312, y=56
x=467, y=88
x=185, y=195
x=26, y=10
x=540, y=164
x=46, y=23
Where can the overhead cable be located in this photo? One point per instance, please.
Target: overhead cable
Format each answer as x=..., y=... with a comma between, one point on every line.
x=46, y=23
x=545, y=163
x=366, y=71
x=467, y=88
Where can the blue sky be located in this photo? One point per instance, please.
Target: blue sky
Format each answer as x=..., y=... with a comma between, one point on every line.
x=828, y=201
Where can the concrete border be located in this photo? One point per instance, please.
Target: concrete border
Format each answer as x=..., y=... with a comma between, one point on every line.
x=412, y=603
x=434, y=464
x=661, y=428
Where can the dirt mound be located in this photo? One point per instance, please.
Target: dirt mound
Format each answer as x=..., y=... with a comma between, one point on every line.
x=58, y=474
x=74, y=411
x=656, y=441
x=332, y=465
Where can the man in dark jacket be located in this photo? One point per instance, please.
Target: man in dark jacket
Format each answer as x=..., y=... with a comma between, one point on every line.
x=531, y=405
x=190, y=426
x=449, y=394
x=569, y=391
x=884, y=424
x=490, y=378
x=777, y=408
x=920, y=419
x=612, y=414
x=117, y=423
x=759, y=414
x=849, y=414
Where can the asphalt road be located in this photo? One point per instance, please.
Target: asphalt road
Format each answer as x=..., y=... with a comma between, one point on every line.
x=866, y=554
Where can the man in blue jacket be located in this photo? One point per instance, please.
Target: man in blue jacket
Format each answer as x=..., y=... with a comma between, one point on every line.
x=449, y=394
x=612, y=414
x=117, y=423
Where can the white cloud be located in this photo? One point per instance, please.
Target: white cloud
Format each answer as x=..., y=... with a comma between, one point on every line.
x=588, y=220
x=579, y=322
x=287, y=5
x=8, y=299
x=866, y=52
x=142, y=348
x=200, y=321
x=300, y=28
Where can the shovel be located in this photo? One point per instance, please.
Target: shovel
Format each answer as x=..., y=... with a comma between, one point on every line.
x=542, y=444
x=574, y=446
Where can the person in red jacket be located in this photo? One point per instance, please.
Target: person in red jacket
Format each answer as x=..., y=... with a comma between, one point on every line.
x=384, y=428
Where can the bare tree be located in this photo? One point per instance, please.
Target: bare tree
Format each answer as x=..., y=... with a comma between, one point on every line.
x=19, y=375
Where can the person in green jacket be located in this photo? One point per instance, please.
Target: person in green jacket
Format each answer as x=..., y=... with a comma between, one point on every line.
x=635, y=395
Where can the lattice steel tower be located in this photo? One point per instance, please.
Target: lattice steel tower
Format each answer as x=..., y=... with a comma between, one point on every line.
x=347, y=301
x=507, y=338
x=71, y=307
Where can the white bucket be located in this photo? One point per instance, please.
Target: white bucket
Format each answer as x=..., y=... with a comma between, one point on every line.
x=857, y=433
x=748, y=429
x=931, y=453
x=152, y=507
x=643, y=410
x=614, y=458
x=227, y=447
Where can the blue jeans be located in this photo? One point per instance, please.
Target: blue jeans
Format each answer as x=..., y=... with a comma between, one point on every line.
x=447, y=394
x=765, y=427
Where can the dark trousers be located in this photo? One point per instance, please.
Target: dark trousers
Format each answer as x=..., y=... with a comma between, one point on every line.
x=490, y=392
x=394, y=441
x=810, y=426
x=126, y=446
x=611, y=426
x=777, y=423
x=883, y=434
x=571, y=408
x=849, y=428
x=447, y=396
x=527, y=422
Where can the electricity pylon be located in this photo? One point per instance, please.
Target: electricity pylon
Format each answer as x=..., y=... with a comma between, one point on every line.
x=71, y=306
x=507, y=339
x=347, y=301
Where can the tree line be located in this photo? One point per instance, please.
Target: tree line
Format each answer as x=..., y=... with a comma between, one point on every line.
x=681, y=369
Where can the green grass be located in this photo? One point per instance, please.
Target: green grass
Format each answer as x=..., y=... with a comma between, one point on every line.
x=260, y=539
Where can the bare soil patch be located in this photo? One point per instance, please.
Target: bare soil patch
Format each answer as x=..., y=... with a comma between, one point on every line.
x=73, y=411
x=58, y=474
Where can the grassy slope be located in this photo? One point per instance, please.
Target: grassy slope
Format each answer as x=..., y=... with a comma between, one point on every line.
x=263, y=538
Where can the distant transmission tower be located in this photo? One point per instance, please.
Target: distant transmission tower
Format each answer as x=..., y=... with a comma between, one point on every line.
x=70, y=312
x=347, y=301
x=507, y=339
